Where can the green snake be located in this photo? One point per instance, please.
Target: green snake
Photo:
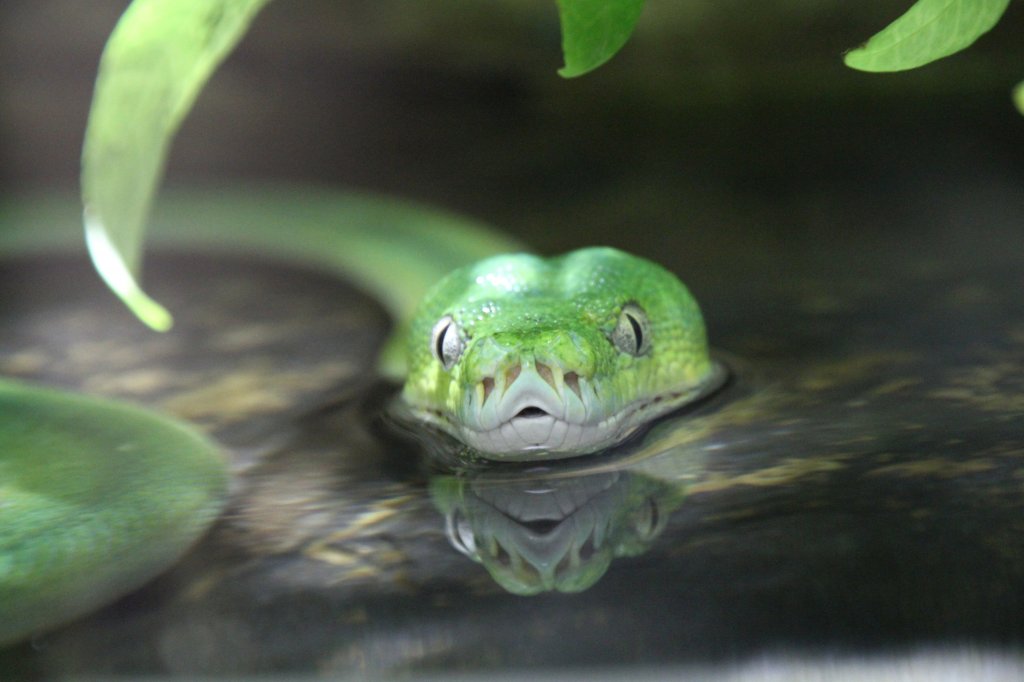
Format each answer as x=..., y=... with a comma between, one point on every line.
x=525, y=358
x=517, y=356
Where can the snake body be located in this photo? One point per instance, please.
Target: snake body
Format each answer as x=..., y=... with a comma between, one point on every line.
x=96, y=498
x=520, y=357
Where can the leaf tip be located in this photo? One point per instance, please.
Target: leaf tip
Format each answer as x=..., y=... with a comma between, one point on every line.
x=152, y=314
x=115, y=272
x=854, y=59
x=571, y=71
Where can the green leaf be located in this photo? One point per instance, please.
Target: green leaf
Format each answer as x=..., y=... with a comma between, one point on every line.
x=1018, y=97
x=156, y=61
x=594, y=30
x=929, y=30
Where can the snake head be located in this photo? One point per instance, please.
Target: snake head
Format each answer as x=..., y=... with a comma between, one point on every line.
x=523, y=358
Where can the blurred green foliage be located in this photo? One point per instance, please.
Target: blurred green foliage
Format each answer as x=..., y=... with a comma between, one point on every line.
x=154, y=65
x=162, y=52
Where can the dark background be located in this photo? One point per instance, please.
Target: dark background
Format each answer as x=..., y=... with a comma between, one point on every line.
x=722, y=124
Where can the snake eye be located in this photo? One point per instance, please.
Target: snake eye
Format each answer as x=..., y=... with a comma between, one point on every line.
x=632, y=334
x=446, y=342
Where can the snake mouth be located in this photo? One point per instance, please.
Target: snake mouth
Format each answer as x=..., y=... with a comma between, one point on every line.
x=532, y=430
x=531, y=412
x=537, y=423
x=535, y=420
x=529, y=408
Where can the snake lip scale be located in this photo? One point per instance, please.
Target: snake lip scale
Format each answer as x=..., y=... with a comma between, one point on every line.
x=536, y=424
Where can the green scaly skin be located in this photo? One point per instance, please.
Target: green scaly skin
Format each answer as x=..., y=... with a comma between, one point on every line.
x=96, y=498
x=71, y=541
x=552, y=358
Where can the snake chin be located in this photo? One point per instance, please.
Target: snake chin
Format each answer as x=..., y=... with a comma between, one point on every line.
x=538, y=421
x=529, y=435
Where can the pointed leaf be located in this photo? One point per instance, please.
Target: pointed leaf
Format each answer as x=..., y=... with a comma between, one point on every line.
x=929, y=30
x=156, y=61
x=594, y=30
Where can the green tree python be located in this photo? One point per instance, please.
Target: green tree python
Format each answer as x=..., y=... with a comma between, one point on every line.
x=517, y=356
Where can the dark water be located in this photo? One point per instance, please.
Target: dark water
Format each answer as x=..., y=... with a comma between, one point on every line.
x=854, y=492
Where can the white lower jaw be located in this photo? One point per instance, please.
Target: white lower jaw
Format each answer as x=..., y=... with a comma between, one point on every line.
x=549, y=437
x=523, y=438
